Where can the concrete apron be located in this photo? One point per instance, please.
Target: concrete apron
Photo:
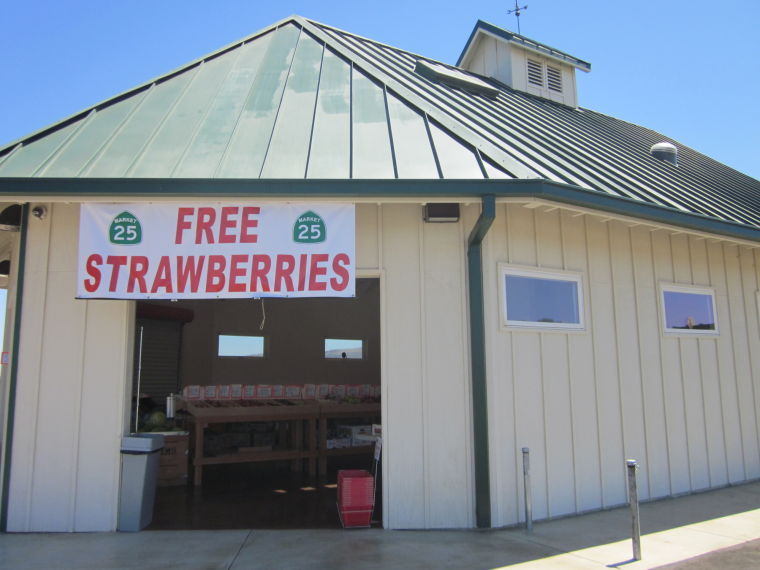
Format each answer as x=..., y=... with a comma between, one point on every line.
x=672, y=530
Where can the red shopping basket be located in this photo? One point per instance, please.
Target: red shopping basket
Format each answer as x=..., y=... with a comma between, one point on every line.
x=356, y=497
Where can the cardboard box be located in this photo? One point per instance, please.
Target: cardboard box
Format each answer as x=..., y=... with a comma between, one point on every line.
x=278, y=391
x=264, y=392
x=293, y=391
x=323, y=390
x=337, y=390
x=191, y=392
x=249, y=392
x=236, y=391
x=223, y=392
x=210, y=392
x=309, y=391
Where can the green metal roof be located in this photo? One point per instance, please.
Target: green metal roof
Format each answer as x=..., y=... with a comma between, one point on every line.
x=279, y=104
x=301, y=100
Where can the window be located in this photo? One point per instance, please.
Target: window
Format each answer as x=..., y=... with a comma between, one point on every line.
x=542, y=299
x=346, y=349
x=689, y=310
x=241, y=346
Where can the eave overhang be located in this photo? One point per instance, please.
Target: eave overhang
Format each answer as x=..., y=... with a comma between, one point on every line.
x=84, y=189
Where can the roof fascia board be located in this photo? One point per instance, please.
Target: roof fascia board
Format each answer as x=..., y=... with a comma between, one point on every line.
x=494, y=154
x=116, y=188
x=134, y=90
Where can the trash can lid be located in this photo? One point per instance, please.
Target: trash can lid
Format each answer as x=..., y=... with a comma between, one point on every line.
x=142, y=442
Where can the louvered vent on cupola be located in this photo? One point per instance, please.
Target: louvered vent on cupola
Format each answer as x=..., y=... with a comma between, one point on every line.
x=522, y=64
x=554, y=78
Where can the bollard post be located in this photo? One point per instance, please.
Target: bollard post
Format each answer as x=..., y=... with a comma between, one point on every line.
x=527, y=490
x=633, y=500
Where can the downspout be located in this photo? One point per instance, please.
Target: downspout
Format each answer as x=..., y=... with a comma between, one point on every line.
x=13, y=377
x=478, y=361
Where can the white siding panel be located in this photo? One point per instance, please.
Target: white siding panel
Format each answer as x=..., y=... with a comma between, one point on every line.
x=585, y=426
x=367, y=252
x=404, y=429
x=651, y=368
x=602, y=327
x=719, y=258
x=747, y=360
x=28, y=381
x=447, y=434
x=64, y=474
x=100, y=425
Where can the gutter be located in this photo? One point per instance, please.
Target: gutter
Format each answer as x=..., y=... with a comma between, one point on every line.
x=13, y=377
x=478, y=361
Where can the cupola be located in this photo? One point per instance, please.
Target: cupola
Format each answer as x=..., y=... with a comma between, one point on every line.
x=522, y=63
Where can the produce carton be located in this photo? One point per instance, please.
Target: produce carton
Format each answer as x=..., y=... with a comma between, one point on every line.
x=210, y=392
x=278, y=391
x=191, y=392
x=323, y=390
x=264, y=392
x=249, y=392
x=223, y=392
x=352, y=390
x=293, y=391
x=338, y=390
x=309, y=391
x=236, y=391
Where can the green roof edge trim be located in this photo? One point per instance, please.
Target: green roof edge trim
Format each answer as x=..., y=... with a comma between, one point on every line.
x=193, y=188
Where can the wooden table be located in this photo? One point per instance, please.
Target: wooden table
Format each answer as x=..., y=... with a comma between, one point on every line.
x=203, y=414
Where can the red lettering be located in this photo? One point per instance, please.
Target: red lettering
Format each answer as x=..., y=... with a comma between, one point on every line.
x=189, y=270
x=227, y=224
x=317, y=268
x=138, y=267
x=215, y=274
x=182, y=223
x=163, y=278
x=206, y=219
x=91, y=285
x=339, y=264
x=116, y=262
x=248, y=223
x=302, y=271
x=236, y=272
x=260, y=266
x=283, y=272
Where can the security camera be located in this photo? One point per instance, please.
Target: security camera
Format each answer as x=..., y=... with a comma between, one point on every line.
x=39, y=212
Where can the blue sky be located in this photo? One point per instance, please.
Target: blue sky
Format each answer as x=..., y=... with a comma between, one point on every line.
x=686, y=68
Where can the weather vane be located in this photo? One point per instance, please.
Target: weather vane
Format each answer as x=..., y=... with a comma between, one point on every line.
x=516, y=12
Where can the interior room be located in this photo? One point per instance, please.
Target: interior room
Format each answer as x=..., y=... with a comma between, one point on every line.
x=262, y=402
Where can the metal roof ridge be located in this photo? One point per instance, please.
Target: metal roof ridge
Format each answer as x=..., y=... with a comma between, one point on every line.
x=134, y=90
x=494, y=154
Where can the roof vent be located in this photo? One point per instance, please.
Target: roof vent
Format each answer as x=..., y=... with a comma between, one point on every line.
x=665, y=151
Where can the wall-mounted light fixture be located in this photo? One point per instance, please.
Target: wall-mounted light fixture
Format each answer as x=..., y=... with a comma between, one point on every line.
x=441, y=212
x=39, y=212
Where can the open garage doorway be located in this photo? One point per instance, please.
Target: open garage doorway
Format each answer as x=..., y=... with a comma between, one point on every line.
x=273, y=398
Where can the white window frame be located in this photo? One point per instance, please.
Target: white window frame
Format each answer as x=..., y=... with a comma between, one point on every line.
x=538, y=273
x=264, y=343
x=694, y=290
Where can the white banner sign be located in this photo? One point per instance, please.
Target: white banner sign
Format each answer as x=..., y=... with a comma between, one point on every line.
x=209, y=251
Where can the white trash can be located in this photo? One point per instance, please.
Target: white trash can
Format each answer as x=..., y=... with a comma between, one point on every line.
x=140, y=457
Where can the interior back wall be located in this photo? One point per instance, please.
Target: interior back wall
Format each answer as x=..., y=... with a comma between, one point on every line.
x=294, y=329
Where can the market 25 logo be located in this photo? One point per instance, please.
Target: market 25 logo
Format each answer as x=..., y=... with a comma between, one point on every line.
x=125, y=229
x=309, y=228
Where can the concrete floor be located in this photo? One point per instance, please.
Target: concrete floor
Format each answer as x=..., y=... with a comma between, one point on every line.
x=723, y=527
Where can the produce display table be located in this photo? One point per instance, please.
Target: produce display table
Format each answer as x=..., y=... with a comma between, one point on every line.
x=204, y=413
x=296, y=412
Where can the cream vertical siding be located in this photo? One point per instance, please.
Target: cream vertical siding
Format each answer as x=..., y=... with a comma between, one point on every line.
x=686, y=407
x=74, y=377
x=70, y=392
